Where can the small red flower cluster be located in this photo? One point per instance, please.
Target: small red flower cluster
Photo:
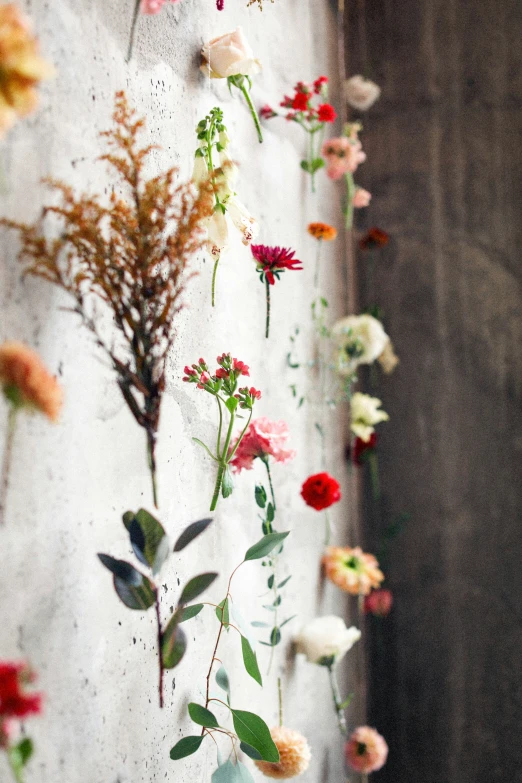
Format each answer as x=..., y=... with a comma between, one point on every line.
x=300, y=106
x=271, y=261
x=14, y=703
x=361, y=448
x=225, y=378
x=321, y=491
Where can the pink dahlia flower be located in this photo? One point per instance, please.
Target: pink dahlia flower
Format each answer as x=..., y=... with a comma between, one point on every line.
x=366, y=751
x=264, y=438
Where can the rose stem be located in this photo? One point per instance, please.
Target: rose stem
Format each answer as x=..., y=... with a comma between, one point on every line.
x=337, y=701
x=134, y=25
x=253, y=112
x=267, y=326
x=6, y=463
x=158, y=618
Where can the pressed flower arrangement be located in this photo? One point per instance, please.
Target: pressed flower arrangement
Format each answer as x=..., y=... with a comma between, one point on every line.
x=128, y=256
x=16, y=704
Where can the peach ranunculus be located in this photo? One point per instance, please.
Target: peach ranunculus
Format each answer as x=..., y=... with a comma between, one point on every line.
x=294, y=755
x=21, y=67
x=366, y=750
x=229, y=55
x=354, y=571
x=361, y=198
x=26, y=382
x=361, y=93
x=264, y=438
x=343, y=155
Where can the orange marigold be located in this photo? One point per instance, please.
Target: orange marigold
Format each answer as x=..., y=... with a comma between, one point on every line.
x=322, y=231
x=353, y=570
x=26, y=382
x=21, y=67
x=294, y=755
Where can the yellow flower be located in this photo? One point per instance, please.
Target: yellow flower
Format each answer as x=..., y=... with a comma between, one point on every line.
x=353, y=570
x=26, y=382
x=21, y=67
x=294, y=755
x=322, y=231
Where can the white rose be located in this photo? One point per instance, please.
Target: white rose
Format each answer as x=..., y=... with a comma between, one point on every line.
x=359, y=339
x=365, y=414
x=326, y=640
x=361, y=93
x=229, y=55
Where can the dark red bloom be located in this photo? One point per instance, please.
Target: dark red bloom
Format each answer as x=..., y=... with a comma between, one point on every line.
x=321, y=491
x=300, y=101
x=319, y=83
x=271, y=261
x=13, y=702
x=374, y=238
x=326, y=113
x=379, y=603
x=361, y=448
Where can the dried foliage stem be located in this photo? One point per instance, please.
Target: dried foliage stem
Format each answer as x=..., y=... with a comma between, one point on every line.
x=131, y=256
x=7, y=459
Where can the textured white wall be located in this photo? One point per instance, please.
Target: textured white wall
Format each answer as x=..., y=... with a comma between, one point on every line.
x=70, y=483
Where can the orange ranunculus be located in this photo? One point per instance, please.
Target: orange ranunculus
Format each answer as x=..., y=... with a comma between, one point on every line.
x=322, y=231
x=26, y=382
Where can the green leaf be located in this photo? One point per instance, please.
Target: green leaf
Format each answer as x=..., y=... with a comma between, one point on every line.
x=346, y=703
x=260, y=494
x=122, y=569
x=200, y=443
x=148, y=538
x=270, y=512
x=252, y=729
x=250, y=660
x=248, y=750
x=305, y=165
x=222, y=612
x=232, y=404
x=196, y=586
x=189, y=612
x=227, y=485
x=288, y=620
x=316, y=164
x=191, y=532
x=18, y=756
x=186, y=747
x=275, y=637
x=132, y=587
x=258, y=624
x=270, y=582
x=173, y=643
x=202, y=716
x=284, y=582
x=265, y=546
x=222, y=680
x=228, y=773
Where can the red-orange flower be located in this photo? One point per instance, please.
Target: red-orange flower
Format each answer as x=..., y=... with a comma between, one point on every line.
x=374, y=238
x=322, y=231
x=26, y=382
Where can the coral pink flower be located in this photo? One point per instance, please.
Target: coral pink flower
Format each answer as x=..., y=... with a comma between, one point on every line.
x=264, y=438
x=354, y=571
x=366, y=751
x=361, y=198
x=321, y=491
x=342, y=155
x=26, y=382
x=294, y=755
x=379, y=603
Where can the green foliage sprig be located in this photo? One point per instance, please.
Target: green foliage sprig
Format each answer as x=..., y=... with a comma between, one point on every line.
x=137, y=591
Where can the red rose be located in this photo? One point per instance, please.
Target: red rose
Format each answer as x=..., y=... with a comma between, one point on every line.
x=361, y=448
x=321, y=491
x=326, y=113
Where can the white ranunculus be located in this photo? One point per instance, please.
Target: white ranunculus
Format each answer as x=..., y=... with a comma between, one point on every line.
x=229, y=55
x=361, y=93
x=365, y=413
x=359, y=339
x=326, y=640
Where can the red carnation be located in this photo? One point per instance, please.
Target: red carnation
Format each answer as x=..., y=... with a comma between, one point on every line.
x=300, y=101
x=321, y=491
x=326, y=113
x=319, y=83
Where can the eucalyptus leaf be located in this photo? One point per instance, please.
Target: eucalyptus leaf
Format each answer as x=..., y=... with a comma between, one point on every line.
x=191, y=532
x=122, y=569
x=250, y=660
x=258, y=624
x=265, y=546
x=270, y=512
x=186, y=747
x=223, y=681
x=173, y=643
x=275, y=637
x=196, y=586
x=288, y=620
x=140, y=597
x=189, y=612
x=249, y=751
x=260, y=495
x=270, y=582
x=252, y=729
x=202, y=716
x=222, y=612
x=147, y=535
x=284, y=582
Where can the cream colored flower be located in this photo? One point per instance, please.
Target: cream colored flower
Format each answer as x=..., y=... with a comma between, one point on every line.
x=361, y=93
x=365, y=414
x=326, y=640
x=358, y=339
x=388, y=358
x=294, y=755
x=21, y=67
x=229, y=55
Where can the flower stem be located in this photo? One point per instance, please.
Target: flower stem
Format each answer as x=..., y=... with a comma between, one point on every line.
x=6, y=463
x=267, y=325
x=316, y=276
x=270, y=482
x=350, y=192
x=341, y=721
x=216, y=262
x=219, y=479
x=311, y=159
x=151, y=458
x=15, y=769
x=134, y=25
x=374, y=475
x=253, y=111
x=327, y=529
x=160, y=639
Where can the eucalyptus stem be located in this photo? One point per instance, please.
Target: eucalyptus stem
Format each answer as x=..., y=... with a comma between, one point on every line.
x=214, y=273
x=253, y=111
x=134, y=24
x=7, y=459
x=160, y=639
x=341, y=720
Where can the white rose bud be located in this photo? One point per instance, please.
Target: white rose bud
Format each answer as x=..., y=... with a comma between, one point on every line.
x=229, y=55
x=326, y=640
x=361, y=93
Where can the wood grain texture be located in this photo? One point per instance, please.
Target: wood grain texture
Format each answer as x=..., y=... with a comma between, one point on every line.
x=444, y=160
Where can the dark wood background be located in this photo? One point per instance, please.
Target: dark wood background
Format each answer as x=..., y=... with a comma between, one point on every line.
x=444, y=166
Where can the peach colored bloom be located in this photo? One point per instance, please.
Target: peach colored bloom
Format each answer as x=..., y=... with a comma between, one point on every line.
x=366, y=751
x=361, y=198
x=322, y=231
x=26, y=382
x=21, y=67
x=264, y=438
x=294, y=755
x=342, y=155
x=353, y=570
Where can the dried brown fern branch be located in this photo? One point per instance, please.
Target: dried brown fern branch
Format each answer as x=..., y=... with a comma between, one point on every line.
x=131, y=254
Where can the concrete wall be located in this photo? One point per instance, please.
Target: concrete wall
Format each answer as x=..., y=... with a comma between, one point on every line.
x=71, y=483
x=444, y=159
